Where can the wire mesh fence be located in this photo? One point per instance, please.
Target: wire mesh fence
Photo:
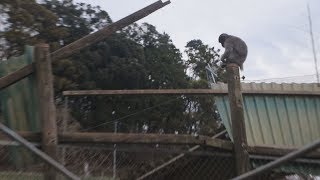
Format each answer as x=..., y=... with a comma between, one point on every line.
x=18, y=163
x=125, y=162
x=305, y=168
x=146, y=162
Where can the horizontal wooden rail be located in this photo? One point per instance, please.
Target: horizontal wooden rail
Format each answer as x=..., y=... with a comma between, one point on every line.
x=143, y=92
x=84, y=42
x=183, y=91
x=278, y=151
x=129, y=138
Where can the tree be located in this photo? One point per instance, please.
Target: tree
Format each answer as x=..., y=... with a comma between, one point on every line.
x=139, y=57
x=199, y=56
x=202, y=112
x=26, y=22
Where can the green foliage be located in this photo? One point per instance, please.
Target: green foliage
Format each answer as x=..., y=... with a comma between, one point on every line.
x=199, y=56
x=138, y=57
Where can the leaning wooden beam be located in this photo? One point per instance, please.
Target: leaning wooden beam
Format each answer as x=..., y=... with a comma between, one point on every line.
x=107, y=31
x=183, y=91
x=16, y=76
x=84, y=42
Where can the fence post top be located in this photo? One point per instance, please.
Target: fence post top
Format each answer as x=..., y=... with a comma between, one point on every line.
x=43, y=45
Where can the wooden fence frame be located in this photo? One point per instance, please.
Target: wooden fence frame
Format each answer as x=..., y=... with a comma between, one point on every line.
x=49, y=135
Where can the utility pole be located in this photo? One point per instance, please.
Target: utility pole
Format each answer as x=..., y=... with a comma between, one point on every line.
x=313, y=46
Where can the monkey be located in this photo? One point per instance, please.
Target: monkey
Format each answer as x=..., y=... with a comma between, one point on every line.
x=236, y=50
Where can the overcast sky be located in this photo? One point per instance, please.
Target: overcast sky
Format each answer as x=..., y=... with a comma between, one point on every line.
x=276, y=31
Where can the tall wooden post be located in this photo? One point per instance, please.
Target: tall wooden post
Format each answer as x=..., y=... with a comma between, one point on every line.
x=237, y=119
x=47, y=110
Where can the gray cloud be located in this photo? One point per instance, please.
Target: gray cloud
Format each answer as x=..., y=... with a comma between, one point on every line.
x=276, y=30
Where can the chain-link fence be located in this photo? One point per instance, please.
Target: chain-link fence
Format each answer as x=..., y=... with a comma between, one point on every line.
x=147, y=162
x=120, y=162
x=305, y=166
x=18, y=163
x=301, y=168
x=140, y=161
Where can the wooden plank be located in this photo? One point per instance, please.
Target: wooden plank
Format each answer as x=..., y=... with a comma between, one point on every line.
x=237, y=118
x=255, y=150
x=218, y=143
x=183, y=91
x=130, y=138
x=16, y=76
x=278, y=151
x=30, y=136
x=47, y=110
x=126, y=138
x=142, y=92
x=107, y=31
x=84, y=42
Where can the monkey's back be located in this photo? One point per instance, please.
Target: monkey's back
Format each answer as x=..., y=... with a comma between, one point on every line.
x=239, y=46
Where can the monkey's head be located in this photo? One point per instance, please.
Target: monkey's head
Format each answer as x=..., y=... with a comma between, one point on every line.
x=222, y=38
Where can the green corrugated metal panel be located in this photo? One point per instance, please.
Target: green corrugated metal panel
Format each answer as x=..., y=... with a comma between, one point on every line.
x=18, y=101
x=284, y=120
x=19, y=104
x=278, y=120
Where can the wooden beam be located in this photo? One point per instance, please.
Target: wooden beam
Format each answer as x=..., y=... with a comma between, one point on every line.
x=143, y=92
x=237, y=119
x=219, y=143
x=30, y=136
x=84, y=42
x=16, y=76
x=107, y=31
x=47, y=109
x=182, y=91
x=227, y=145
x=128, y=138
x=278, y=151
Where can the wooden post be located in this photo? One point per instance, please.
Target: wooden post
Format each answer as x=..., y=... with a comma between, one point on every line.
x=47, y=110
x=237, y=119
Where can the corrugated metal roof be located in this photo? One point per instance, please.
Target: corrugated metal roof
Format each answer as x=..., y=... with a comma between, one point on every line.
x=282, y=120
